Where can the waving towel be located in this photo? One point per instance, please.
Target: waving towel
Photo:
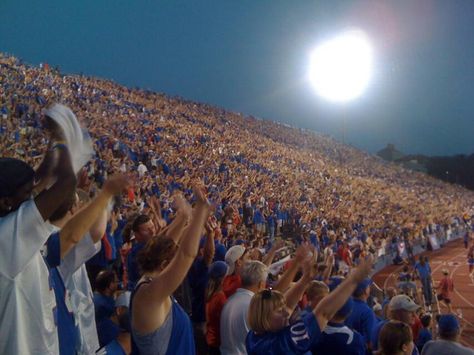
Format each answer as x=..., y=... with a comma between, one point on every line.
x=78, y=140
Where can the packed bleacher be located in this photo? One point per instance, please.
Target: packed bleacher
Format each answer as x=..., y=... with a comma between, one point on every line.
x=164, y=226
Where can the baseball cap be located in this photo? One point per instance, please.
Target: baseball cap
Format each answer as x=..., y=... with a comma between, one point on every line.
x=363, y=285
x=14, y=174
x=334, y=281
x=377, y=307
x=232, y=255
x=403, y=302
x=218, y=269
x=448, y=323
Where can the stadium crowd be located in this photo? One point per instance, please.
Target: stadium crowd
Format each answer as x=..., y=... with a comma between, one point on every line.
x=155, y=225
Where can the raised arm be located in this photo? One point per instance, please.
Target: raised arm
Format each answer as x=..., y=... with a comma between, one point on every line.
x=156, y=212
x=289, y=275
x=209, y=248
x=294, y=294
x=97, y=229
x=44, y=173
x=80, y=224
x=162, y=286
x=176, y=229
x=268, y=258
x=329, y=305
x=48, y=200
x=329, y=264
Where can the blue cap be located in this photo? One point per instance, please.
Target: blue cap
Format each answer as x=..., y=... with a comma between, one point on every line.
x=334, y=281
x=363, y=285
x=448, y=323
x=218, y=269
x=345, y=310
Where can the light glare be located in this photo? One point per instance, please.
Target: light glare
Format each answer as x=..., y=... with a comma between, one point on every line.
x=340, y=68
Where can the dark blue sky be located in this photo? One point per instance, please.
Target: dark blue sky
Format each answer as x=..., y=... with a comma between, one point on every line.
x=252, y=56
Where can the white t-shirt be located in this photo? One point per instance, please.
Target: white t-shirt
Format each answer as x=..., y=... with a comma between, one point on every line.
x=27, y=324
x=74, y=274
x=142, y=169
x=234, y=328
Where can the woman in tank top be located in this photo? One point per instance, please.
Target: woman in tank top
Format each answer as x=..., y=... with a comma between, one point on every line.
x=159, y=324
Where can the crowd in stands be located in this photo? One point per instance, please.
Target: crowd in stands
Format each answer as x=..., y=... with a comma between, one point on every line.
x=133, y=222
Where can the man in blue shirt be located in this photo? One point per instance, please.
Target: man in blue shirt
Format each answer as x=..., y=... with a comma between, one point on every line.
x=143, y=229
x=362, y=318
x=423, y=269
x=425, y=333
x=104, y=304
x=338, y=338
x=198, y=278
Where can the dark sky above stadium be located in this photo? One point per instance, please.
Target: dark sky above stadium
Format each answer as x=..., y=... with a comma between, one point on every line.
x=252, y=57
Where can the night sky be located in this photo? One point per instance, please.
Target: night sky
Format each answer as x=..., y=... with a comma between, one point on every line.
x=252, y=57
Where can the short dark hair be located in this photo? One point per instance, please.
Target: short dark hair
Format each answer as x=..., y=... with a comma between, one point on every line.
x=139, y=220
x=14, y=173
x=104, y=279
x=425, y=320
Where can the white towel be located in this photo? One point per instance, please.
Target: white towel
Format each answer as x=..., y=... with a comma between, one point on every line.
x=78, y=140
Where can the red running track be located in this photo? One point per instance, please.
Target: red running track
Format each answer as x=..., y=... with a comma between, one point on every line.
x=453, y=256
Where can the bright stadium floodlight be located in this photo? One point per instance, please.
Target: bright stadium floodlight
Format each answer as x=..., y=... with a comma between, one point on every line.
x=341, y=68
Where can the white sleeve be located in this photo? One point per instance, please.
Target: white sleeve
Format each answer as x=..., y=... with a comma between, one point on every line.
x=22, y=234
x=82, y=251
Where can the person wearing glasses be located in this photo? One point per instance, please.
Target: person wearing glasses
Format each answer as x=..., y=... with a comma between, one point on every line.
x=271, y=329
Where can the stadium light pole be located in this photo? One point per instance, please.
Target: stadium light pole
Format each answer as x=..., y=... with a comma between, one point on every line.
x=341, y=68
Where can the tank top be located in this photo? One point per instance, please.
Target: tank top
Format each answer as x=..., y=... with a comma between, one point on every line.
x=175, y=336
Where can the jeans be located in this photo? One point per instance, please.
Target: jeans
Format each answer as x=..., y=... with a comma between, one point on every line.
x=427, y=290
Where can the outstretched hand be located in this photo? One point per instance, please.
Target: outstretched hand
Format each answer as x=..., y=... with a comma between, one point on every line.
x=199, y=191
x=211, y=224
x=181, y=205
x=302, y=253
x=116, y=184
x=363, y=269
x=309, y=271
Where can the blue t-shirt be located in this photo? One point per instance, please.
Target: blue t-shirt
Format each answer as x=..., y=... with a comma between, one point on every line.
x=423, y=337
x=338, y=338
x=67, y=332
x=258, y=217
x=114, y=348
x=423, y=270
x=296, y=338
x=132, y=266
x=198, y=277
x=107, y=331
x=104, y=307
x=220, y=251
x=362, y=319
x=313, y=238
